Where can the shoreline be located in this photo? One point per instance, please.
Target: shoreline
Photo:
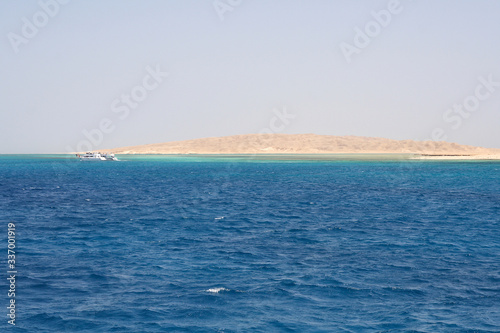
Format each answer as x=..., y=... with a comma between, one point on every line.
x=481, y=157
x=409, y=157
x=323, y=156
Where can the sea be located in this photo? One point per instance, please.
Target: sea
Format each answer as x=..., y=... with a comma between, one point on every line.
x=249, y=244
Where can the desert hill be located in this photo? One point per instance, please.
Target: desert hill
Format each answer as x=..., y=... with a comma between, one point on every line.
x=303, y=144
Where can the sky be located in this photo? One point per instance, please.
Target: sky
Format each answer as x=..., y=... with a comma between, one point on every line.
x=87, y=75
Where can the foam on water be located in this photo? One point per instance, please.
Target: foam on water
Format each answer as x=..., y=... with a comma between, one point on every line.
x=216, y=290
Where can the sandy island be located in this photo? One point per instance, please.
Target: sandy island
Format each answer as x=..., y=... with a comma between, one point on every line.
x=314, y=144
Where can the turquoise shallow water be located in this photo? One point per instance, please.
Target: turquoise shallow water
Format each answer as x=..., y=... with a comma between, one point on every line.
x=250, y=244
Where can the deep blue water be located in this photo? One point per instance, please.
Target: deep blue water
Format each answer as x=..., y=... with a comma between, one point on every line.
x=233, y=245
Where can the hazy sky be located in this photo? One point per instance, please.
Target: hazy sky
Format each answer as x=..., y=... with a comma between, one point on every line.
x=93, y=73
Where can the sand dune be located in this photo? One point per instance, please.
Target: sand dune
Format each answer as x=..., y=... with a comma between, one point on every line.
x=310, y=144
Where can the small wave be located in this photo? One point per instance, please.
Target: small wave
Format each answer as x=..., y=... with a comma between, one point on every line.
x=405, y=290
x=216, y=290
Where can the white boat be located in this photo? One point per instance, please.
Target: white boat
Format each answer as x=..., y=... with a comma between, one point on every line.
x=110, y=157
x=89, y=156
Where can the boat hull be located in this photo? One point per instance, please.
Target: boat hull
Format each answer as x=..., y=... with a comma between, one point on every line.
x=91, y=157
